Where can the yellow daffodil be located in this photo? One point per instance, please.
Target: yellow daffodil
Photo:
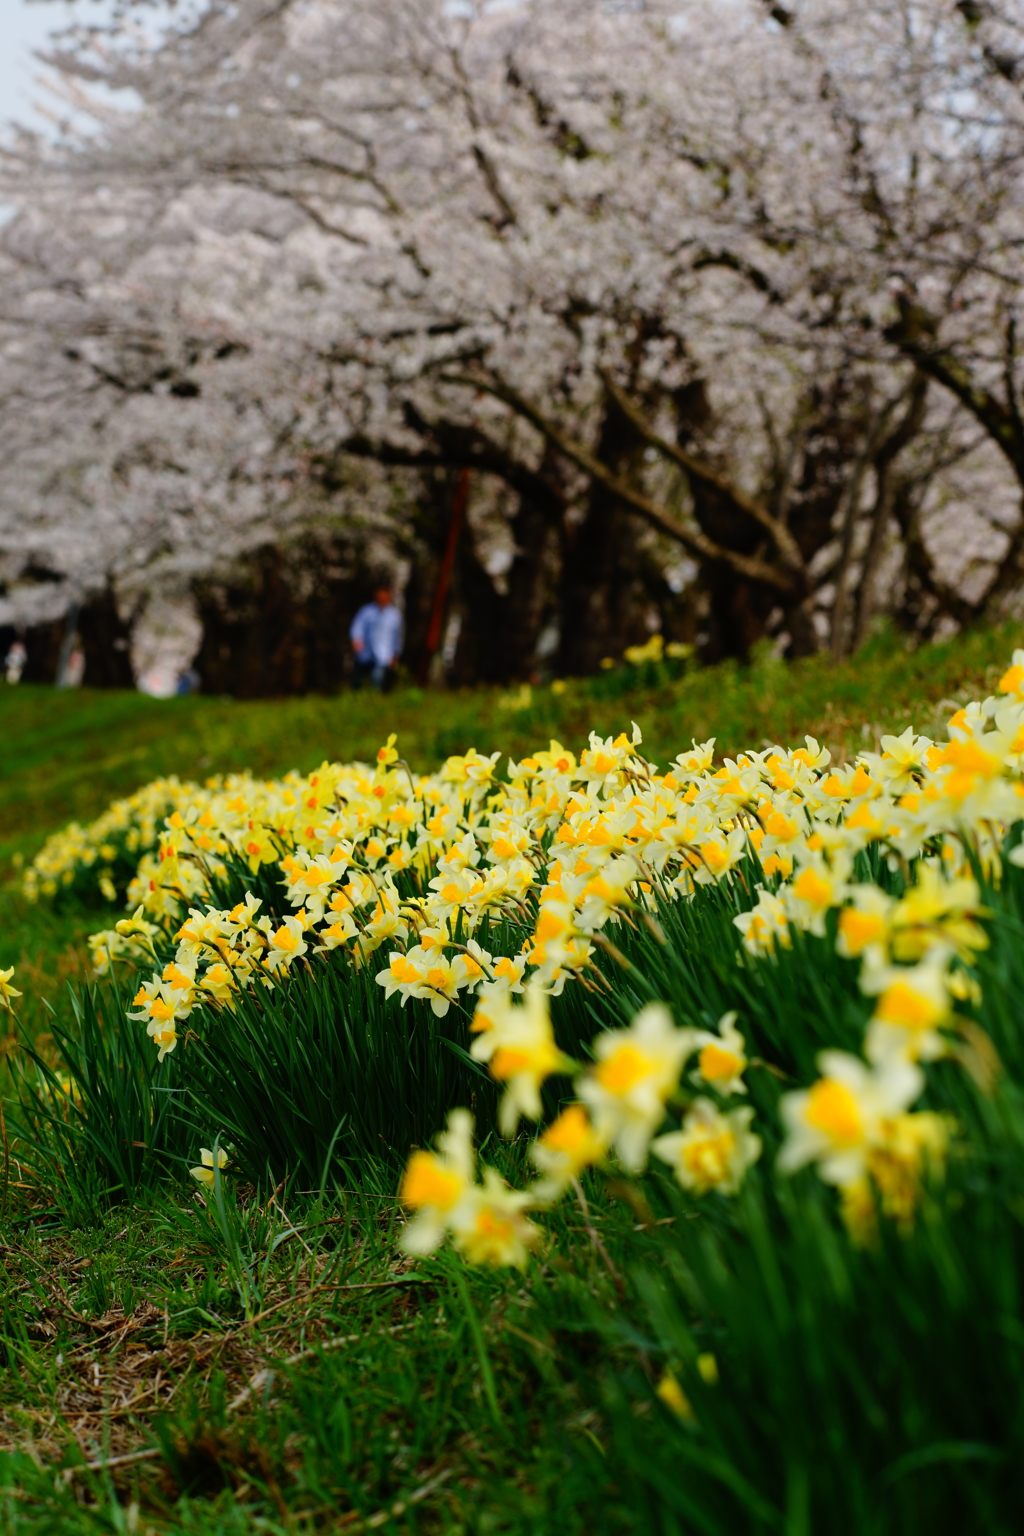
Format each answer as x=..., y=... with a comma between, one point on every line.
x=837, y=1121
x=635, y=1072
x=204, y=1174
x=937, y=909
x=712, y=1150
x=287, y=943
x=722, y=1057
x=518, y=1044
x=866, y=922
x=6, y=990
x=913, y=1003
x=674, y=1398
x=490, y=1226
x=765, y=926
x=437, y=1185
x=567, y=1146
x=815, y=889
x=372, y=859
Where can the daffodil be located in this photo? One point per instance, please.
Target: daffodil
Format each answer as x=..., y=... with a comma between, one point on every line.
x=636, y=1071
x=490, y=1225
x=711, y=1150
x=387, y=754
x=913, y=1003
x=715, y=854
x=164, y=1034
x=473, y=770
x=815, y=889
x=136, y=926
x=837, y=1121
x=722, y=1057
x=286, y=943
x=674, y=1398
x=405, y=974
x=566, y=1147
x=162, y=1004
x=518, y=1044
x=563, y=847
x=205, y=1174
x=258, y=846
x=386, y=921
x=902, y=761
x=651, y=650
x=555, y=927
x=437, y=1185
x=766, y=926
x=243, y=914
x=866, y=922
x=311, y=883
x=220, y=984
x=442, y=979
x=606, y=758
x=938, y=909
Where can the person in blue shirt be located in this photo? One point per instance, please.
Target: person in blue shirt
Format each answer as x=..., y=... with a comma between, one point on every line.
x=376, y=636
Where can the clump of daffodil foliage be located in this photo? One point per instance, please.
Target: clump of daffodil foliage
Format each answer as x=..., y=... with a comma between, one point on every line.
x=770, y=1002
x=415, y=881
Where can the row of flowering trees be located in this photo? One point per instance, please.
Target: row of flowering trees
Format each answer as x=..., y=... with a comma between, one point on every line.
x=719, y=305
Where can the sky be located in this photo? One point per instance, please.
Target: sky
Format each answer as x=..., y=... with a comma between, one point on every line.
x=25, y=25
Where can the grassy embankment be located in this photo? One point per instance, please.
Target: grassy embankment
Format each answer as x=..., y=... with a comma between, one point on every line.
x=252, y=1369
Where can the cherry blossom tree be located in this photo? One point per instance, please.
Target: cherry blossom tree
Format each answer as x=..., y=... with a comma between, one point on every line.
x=719, y=305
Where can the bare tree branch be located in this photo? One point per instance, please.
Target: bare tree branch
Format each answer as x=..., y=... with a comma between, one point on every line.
x=785, y=544
x=906, y=429
x=454, y=447
x=915, y=335
x=784, y=581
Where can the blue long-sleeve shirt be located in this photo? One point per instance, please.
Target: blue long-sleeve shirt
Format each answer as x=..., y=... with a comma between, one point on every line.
x=379, y=630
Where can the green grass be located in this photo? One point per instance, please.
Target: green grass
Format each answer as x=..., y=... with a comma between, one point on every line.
x=269, y=1362
x=67, y=755
x=326, y=1389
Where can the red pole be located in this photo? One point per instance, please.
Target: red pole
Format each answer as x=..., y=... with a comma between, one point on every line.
x=444, y=574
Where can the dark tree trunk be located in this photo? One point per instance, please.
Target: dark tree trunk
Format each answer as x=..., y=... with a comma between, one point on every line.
x=424, y=549
x=737, y=614
x=478, y=653
x=281, y=625
x=926, y=598
x=603, y=593
x=43, y=643
x=498, y=638
x=530, y=585
x=106, y=641
x=737, y=609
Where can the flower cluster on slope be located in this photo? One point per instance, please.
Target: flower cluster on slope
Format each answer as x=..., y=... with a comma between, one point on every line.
x=88, y=855
x=636, y=1079
x=437, y=871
